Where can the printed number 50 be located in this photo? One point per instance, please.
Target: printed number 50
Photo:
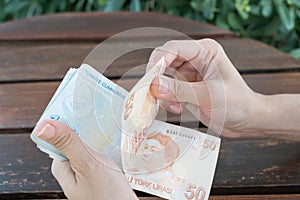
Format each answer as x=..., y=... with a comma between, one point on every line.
x=193, y=192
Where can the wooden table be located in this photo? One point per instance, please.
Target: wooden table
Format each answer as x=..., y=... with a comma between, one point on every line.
x=35, y=54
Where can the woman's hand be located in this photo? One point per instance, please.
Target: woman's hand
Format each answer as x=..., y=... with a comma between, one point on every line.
x=208, y=84
x=86, y=175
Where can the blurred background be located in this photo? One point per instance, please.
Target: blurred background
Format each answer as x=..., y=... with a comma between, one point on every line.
x=275, y=22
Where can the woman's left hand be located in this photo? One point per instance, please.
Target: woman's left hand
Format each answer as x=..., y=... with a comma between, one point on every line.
x=86, y=175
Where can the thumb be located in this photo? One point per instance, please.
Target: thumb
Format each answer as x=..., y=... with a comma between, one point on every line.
x=64, y=174
x=173, y=90
x=66, y=140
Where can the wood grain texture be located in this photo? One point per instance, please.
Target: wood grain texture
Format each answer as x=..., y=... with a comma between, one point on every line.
x=243, y=197
x=259, y=166
x=22, y=104
x=251, y=56
x=240, y=197
x=19, y=62
x=98, y=26
x=49, y=61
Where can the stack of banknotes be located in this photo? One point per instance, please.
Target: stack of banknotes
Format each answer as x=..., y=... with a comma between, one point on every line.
x=159, y=158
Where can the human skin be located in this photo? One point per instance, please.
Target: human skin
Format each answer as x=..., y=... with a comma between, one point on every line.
x=86, y=174
x=207, y=83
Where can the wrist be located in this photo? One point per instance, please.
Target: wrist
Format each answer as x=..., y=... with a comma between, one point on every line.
x=277, y=116
x=261, y=114
x=258, y=113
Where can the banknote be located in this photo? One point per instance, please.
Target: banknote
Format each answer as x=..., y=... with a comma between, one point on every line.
x=138, y=113
x=169, y=168
x=169, y=161
x=90, y=104
x=59, y=109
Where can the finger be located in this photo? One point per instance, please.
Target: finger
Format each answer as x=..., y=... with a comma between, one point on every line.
x=157, y=54
x=183, y=73
x=173, y=107
x=206, y=56
x=63, y=173
x=66, y=140
x=188, y=73
x=172, y=90
x=175, y=53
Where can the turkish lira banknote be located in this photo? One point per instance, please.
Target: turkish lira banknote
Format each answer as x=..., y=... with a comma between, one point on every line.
x=139, y=111
x=169, y=161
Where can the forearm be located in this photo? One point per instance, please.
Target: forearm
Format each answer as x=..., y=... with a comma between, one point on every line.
x=279, y=116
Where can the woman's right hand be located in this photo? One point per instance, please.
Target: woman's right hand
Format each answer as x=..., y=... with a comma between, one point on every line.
x=208, y=84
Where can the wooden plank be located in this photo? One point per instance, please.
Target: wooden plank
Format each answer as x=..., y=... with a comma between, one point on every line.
x=24, y=168
x=19, y=62
x=261, y=166
x=240, y=197
x=49, y=61
x=257, y=166
x=44, y=61
x=99, y=26
x=22, y=103
x=274, y=83
x=244, y=197
x=230, y=197
x=251, y=56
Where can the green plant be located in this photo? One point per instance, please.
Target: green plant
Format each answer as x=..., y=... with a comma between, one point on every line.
x=275, y=22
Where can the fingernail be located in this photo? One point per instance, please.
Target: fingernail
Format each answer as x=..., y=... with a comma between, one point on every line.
x=175, y=109
x=163, y=86
x=47, y=132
